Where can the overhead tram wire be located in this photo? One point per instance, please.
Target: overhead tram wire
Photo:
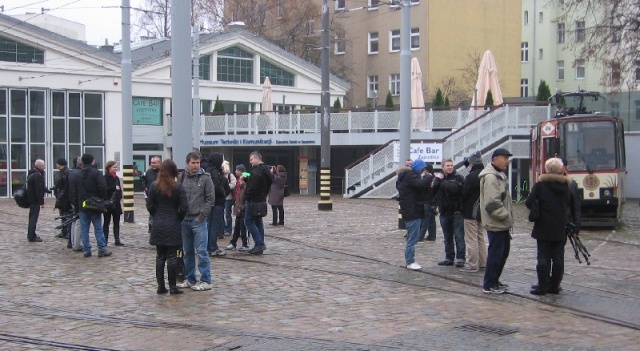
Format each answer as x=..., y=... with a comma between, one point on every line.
x=27, y=5
x=39, y=14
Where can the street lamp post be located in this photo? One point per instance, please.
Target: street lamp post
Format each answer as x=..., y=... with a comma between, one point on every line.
x=325, y=203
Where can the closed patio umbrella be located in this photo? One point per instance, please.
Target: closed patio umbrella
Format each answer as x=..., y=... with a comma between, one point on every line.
x=267, y=106
x=487, y=80
x=417, y=99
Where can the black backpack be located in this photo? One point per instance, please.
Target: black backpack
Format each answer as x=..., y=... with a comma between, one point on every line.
x=20, y=195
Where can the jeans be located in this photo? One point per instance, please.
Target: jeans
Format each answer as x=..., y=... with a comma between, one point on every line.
x=215, y=226
x=194, y=241
x=413, y=230
x=499, y=246
x=428, y=224
x=228, y=220
x=453, y=229
x=550, y=262
x=474, y=241
x=34, y=213
x=254, y=226
x=86, y=219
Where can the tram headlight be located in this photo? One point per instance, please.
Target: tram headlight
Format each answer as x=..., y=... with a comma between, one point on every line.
x=606, y=193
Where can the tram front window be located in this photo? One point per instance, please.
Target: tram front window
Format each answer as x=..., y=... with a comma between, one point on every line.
x=590, y=146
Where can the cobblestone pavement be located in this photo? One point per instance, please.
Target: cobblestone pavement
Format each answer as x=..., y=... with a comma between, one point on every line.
x=328, y=281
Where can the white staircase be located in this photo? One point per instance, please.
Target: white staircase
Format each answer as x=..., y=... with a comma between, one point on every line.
x=505, y=127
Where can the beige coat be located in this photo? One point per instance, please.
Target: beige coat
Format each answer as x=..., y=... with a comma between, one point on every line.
x=495, y=200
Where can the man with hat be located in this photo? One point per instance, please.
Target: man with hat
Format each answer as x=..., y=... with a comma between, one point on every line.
x=62, y=196
x=497, y=218
x=410, y=187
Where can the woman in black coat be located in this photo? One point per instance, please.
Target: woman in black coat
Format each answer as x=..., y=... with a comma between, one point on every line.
x=114, y=192
x=276, y=194
x=167, y=204
x=552, y=193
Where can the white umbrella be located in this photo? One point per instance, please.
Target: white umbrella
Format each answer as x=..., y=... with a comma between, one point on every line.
x=417, y=99
x=487, y=80
x=266, y=101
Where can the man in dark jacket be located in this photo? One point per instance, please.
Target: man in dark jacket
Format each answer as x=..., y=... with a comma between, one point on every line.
x=430, y=209
x=72, y=179
x=62, y=195
x=258, y=185
x=90, y=183
x=35, y=196
x=473, y=232
x=410, y=185
x=215, y=220
x=449, y=193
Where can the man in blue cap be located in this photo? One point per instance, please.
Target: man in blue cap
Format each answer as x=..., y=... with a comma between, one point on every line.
x=410, y=187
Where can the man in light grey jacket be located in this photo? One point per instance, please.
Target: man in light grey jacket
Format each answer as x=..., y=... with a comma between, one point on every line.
x=497, y=218
x=199, y=188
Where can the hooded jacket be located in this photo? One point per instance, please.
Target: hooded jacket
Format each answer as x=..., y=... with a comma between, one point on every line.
x=471, y=191
x=410, y=189
x=215, y=170
x=552, y=192
x=200, y=194
x=495, y=200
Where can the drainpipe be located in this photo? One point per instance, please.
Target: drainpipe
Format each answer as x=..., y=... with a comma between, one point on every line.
x=534, y=51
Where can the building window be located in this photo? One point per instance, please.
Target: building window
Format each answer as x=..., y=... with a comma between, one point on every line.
x=637, y=102
x=615, y=73
x=560, y=65
x=540, y=54
x=311, y=28
x=373, y=42
x=524, y=88
x=540, y=17
x=394, y=84
x=205, y=67
x=580, y=29
x=524, y=52
x=206, y=106
x=394, y=40
x=615, y=108
x=580, y=73
x=616, y=34
x=415, y=2
x=235, y=65
x=277, y=75
x=372, y=83
x=415, y=38
x=560, y=33
x=340, y=5
x=340, y=46
x=13, y=51
x=526, y=17
x=637, y=75
x=373, y=4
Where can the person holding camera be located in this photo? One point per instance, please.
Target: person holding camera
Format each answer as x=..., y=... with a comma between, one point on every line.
x=276, y=194
x=428, y=223
x=473, y=231
x=114, y=192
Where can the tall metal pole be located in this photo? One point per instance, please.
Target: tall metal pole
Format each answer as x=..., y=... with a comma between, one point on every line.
x=325, y=203
x=195, y=127
x=127, y=116
x=405, y=82
x=181, y=117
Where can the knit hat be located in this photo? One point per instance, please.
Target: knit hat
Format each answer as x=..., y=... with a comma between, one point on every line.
x=87, y=159
x=475, y=159
x=418, y=165
x=241, y=168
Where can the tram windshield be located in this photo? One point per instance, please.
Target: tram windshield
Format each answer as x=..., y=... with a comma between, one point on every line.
x=590, y=146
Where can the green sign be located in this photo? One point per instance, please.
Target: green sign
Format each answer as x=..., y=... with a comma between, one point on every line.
x=147, y=111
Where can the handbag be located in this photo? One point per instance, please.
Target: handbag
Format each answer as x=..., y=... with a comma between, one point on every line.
x=534, y=211
x=287, y=192
x=96, y=204
x=259, y=209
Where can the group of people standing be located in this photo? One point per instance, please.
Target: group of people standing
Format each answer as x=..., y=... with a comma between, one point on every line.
x=482, y=201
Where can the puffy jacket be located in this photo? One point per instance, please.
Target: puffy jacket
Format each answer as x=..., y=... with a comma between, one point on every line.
x=552, y=192
x=495, y=200
x=259, y=183
x=449, y=193
x=200, y=194
x=471, y=191
x=410, y=189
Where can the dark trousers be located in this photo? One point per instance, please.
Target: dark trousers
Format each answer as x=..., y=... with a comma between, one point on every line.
x=116, y=226
x=428, y=224
x=166, y=254
x=499, y=246
x=34, y=213
x=278, y=214
x=453, y=231
x=239, y=231
x=550, y=265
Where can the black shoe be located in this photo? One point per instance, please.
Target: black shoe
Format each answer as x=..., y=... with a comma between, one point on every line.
x=445, y=262
x=77, y=250
x=60, y=235
x=430, y=238
x=537, y=291
x=162, y=290
x=87, y=254
x=37, y=239
x=257, y=250
x=119, y=243
x=459, y=263
x=175, y=291
x=554, y=290
x=281, y=223
x=104, y=253
x=274, y=224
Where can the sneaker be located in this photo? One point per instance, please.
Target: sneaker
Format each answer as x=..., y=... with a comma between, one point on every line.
x=414, y=266
x=186, y=284
x=494, y=290
x=445, y=263
x=230, y=247
x=468, y=269
x=218, y=253
x=87, y=254
x=459, y=263
x=503, y=286
x=244, y=249
x=104, y=253
x=201, y=286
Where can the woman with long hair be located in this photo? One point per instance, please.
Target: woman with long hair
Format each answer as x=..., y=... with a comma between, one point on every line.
x=167, y=204
x=114, y=192
x=276, y=194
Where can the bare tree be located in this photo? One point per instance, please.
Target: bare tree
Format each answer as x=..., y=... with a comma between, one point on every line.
x=610, y=38
x=153, y=19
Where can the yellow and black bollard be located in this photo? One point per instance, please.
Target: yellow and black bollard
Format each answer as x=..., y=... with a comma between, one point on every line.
x=127, y=193
x=325, y=203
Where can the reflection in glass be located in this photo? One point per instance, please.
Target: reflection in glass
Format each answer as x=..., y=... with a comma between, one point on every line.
x=57, y=128
x=93, y=105
x=3, y=101
x=74, y=151
x=97, y=156
x=4, y=161
x=57, y=104
x=74, y=130
x=93, y=131
x=19, y=156
x=18, y=102
x=36, y=130
x=18, y=179
x=37, y=152
x=3, y=183
x=74, y=104
x=3, y=129
x=18, y=129
x=58, y=152
x=36, y=103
